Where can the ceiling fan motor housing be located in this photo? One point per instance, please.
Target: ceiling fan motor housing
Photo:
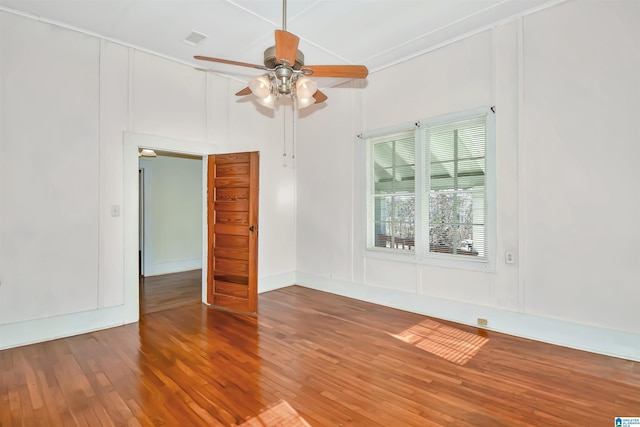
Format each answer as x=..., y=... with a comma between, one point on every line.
x=271, y=62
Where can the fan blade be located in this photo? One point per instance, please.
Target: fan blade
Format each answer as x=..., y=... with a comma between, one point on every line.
x=226, y=61
x=243, y=92
x=348, y=71
x=286, y=46
x=319, y=97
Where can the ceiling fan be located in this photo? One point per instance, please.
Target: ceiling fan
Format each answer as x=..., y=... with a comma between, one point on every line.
x=287, y=74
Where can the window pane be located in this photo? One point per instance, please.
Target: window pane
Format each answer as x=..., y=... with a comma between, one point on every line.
x=461, y=176
x=405, y=179
x=471, y=140
x=405, y=152
x=454, y=222
x=394, y=165
x=394, y=223
x=470, y=174
x=382, y=162
x=442, y=146
x=442, y=175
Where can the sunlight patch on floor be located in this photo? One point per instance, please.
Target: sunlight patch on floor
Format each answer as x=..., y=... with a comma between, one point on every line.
x=450, y=343
x=279, y=415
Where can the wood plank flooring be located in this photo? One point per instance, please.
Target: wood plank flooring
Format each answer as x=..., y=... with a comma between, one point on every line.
x=334, y=360
x=170, y=291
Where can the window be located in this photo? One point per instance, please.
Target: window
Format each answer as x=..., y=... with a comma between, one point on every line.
x=394, y=191
x=428, y=188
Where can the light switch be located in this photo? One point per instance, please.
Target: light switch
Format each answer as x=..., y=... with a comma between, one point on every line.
x=115, y=210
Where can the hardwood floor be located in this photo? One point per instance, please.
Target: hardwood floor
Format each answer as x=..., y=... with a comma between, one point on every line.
x=170, y=291
x=334, y=360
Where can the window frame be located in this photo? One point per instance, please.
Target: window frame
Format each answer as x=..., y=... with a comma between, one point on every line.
x=418, y=255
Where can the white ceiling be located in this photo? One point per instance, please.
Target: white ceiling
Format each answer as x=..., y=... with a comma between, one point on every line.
x=375, y=33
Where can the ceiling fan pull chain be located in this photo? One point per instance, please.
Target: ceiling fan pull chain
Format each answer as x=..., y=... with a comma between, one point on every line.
x=284, y=139
x=294, y=113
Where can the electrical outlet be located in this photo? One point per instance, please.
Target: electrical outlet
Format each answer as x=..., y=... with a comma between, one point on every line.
x=509, y=258
x=483, y=322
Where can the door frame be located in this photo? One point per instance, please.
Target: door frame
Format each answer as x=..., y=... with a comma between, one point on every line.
x=132, y=142
x=141, y=220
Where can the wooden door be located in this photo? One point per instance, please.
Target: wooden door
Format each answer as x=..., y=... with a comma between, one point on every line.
x=232, y=278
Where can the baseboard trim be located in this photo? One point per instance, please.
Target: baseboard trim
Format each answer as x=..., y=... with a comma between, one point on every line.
x=66, y=325
x=51, y=328
x=277, y=281
x=608, y=342
x=169, y=267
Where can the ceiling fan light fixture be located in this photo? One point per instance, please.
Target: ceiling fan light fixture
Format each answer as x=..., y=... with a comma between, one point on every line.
x=147, y=152
x=305, y=102
x=260, y=86
x=305, y=88
x=268, y=101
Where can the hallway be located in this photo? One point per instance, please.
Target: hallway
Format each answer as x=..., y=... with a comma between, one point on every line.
x=167, y=291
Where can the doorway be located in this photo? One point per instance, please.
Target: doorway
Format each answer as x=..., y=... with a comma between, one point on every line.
x=170, y=229
x=171, y=213
x=132, y=143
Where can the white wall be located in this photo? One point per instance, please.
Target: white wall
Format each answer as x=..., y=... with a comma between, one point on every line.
x=564, y=81
x=50, y=199
x=173, y=207
x=254, y=127
x=582, y=89
x=67, y=265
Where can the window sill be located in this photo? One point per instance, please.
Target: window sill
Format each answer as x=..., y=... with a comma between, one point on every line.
x=434, y=259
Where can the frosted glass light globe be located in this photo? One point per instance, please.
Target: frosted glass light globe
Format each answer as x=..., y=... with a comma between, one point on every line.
x=305, y=88
x=260, y=86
